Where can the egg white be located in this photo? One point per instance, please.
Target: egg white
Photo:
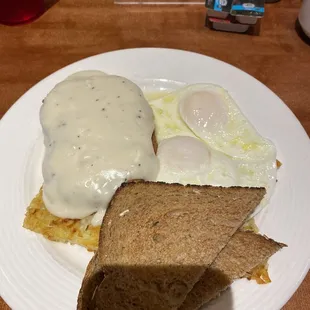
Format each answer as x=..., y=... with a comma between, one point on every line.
x=205, y=139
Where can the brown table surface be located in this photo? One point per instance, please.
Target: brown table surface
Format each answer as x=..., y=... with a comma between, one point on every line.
x=72, y=30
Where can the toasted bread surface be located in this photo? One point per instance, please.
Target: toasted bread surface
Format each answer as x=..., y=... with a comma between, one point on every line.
x=159, y=239
x=242, y=254
x=92, y=278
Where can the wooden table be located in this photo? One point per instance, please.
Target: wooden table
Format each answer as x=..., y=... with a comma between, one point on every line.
x=72, y=30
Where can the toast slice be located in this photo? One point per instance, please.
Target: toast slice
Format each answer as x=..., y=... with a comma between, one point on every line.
x=92, y=278
x=159, y=239
x=244, y=252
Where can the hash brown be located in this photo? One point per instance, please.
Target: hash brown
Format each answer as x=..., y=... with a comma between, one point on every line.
x=74, y=231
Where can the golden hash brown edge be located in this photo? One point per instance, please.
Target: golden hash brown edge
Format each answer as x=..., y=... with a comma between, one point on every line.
x=74, y=231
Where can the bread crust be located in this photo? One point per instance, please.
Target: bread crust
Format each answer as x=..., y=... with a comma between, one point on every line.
x=245, y=251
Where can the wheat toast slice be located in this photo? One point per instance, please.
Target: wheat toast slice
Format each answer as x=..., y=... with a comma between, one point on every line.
x=244, y=252
x=159, y=239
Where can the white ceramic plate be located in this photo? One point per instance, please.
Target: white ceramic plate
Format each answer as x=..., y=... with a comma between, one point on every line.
x=39, y=274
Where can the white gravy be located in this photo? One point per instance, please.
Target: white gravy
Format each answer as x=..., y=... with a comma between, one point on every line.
x=97, y=134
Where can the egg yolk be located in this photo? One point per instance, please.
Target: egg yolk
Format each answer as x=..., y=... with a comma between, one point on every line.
x=204, y=112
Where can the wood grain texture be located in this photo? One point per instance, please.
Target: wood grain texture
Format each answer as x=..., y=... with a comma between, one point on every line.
x=72, y=30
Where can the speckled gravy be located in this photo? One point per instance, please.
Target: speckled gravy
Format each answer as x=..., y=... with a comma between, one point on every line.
x=97, y=133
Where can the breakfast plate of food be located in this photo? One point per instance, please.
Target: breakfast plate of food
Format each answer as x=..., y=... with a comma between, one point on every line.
x=152, y=179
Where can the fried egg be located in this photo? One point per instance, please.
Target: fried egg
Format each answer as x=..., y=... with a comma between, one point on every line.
x=204, y=138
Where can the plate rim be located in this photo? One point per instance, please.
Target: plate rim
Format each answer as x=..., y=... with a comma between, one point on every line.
x=19, y=101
